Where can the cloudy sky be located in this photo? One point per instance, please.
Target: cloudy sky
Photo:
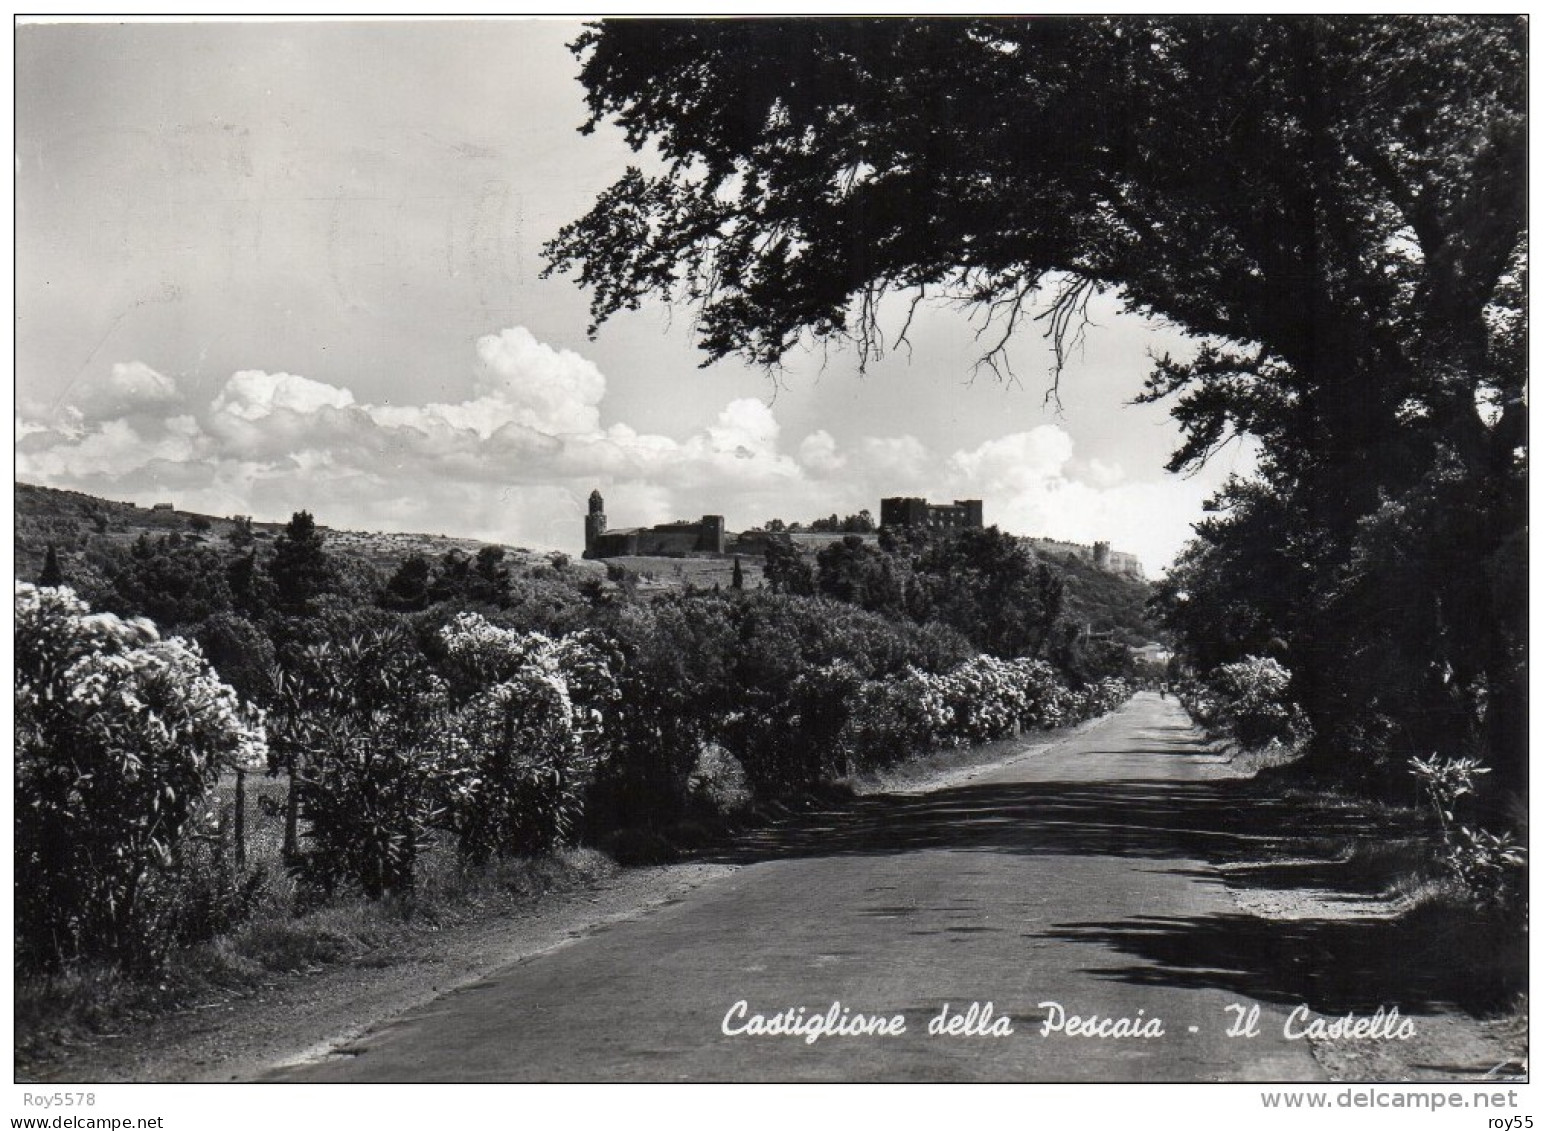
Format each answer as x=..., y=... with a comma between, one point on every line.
x=266, y=267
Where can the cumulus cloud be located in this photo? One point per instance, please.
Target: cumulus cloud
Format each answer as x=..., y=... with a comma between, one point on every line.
x=125, y=389
x=552, y=390
x=514, y=460
x=745, y=429
x=818, y=453
x=1103, y=474
x=520, y=383
x=902, y=460
x=1030, y=484
x=1015, y=463
x=253, y=395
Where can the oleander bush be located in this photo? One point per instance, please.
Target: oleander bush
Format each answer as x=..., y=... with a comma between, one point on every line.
x=672, y=660
x=353, y=719
x=517, y=754
x=120, y=738
x=981, y=700
x=1248, y=702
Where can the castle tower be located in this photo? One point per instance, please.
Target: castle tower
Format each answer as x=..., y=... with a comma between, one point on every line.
x=903, y=512
x=1101, y=555
x=712, y=539
x=594, y=522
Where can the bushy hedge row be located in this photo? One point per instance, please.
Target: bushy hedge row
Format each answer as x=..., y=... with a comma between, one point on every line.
x=492, y=737
x=121, y=737
x=981, y=700
x=800, y=690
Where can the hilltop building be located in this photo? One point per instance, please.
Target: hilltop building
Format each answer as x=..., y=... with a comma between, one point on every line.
x=934, y=516
x=707, y=537
x=672, y=539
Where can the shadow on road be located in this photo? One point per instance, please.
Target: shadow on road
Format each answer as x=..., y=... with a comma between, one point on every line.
x=1214, y=821
x=1333, y=965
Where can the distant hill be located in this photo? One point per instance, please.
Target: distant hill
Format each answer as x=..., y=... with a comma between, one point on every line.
x=1105, y=603
x=75, y=523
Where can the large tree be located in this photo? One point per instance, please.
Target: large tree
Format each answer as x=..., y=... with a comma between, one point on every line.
x=1334, y=206
x=300, y=567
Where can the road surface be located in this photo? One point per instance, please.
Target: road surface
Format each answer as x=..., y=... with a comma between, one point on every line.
x=1081, y=874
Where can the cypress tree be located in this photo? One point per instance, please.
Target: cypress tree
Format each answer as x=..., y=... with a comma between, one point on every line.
x=52, y=575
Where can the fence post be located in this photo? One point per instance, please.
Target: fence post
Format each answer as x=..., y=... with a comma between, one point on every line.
x=292, y=815
x=241, y=820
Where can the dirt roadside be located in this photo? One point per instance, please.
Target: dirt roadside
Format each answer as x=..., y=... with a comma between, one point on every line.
x=299, y=1016
x=1446, y=1045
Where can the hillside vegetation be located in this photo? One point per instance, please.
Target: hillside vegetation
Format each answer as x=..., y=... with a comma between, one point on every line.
x=86, y=531
x=81, y=527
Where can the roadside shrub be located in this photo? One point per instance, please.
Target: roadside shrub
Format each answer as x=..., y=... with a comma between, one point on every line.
x=894, y=719
x=1490, y=867
x=813, y=745
x=356, y=718
x=718, y=781
x=518, y=754
x=1107, y=694
x=672, y=660
x=798, y=668
x=1042, y=698
x=1249, y=702
x=210, y=894
x=1198, y=702
x=369, y=802
x=120, y=738
x=985, y=699
x=981, y=700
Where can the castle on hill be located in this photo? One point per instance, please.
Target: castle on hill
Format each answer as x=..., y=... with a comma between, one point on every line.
x=671, y=539
x=708, y=537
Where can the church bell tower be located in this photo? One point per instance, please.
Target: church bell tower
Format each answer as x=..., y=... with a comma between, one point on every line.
x=594, y=522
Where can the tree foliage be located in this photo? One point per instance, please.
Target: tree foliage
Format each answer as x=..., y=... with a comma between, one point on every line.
x=988, y=586
x=1243, y=177
x=300, y=566
x=1333, y=206
x=786, y=570
x=171, y=582
x=860, y=574
x=859, y=523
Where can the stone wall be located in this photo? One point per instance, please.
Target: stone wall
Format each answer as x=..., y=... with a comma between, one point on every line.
x=1099, y=555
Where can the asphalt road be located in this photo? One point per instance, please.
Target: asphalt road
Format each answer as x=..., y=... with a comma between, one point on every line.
x=1081, y=874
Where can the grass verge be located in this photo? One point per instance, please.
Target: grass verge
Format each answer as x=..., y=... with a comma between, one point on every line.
x=276, y=942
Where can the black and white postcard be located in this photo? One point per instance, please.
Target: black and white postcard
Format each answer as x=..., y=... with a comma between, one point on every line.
x=798, y=549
